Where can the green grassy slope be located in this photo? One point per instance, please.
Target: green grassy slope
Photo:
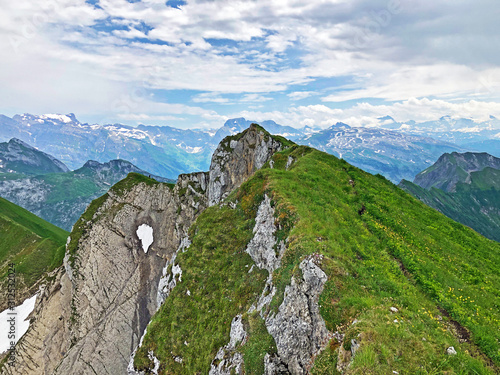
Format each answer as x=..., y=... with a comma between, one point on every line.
x=34, y=245
x=381, y=248
x=475, y=204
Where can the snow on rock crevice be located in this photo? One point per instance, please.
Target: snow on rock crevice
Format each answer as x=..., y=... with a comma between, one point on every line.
x=130, y=367
x=145, y=234
x=17, y=316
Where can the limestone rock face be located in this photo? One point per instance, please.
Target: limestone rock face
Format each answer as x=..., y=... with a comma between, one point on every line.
x=47, y=340
x=106, y=296
x=261, y=246
x=229, y=361
x=236, y=159
x=298, y=328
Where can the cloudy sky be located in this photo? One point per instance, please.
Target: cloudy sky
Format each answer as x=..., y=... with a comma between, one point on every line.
x=195, y=63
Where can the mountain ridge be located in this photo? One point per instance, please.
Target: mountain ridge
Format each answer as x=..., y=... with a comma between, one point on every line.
x=306, y=265
x=167, y=151
x=60, y=198
x=453, y=168
x=17, y=156
x=464, y=187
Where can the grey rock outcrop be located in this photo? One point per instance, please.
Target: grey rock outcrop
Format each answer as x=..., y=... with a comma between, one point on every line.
x=298, y=328
x=274, y=366
x=237, y=158
x=261, y=246
x=229, y=361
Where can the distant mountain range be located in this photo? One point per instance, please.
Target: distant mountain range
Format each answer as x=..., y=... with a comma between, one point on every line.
x=54, y=193
x=464, y=187
x=393, y=154
x=470, y=135
x=395, y=150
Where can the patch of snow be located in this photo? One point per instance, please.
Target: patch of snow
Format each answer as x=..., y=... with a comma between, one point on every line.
x=189, y=149
x=15, y=318
x=51, y=116
x=126, y=132
x=169, y=281
x=145, y=234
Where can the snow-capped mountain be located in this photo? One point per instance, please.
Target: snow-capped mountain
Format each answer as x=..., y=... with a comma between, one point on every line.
x=237, y=125
x=393, y=154
x=163, y=150
x=150, y=148
x=395, y=150
x=461, y=131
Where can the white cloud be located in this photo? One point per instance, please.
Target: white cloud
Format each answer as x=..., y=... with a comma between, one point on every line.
x=54, y=60
x=254, y=98
x=365, y=114
x=299, y=95
x=142, y=117
x=208, y=97
x=420, y=81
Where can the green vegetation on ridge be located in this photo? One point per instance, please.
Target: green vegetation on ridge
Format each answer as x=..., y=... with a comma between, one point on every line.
x=34, y=245
x=381, y=248
x=215, y=287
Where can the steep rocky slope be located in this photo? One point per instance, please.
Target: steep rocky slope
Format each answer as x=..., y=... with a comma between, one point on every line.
x=454, y=168
x=19, y=157
x=60, y=198
x=94, y=311
x=464, y=187
x=313, y=266
x=306, y=265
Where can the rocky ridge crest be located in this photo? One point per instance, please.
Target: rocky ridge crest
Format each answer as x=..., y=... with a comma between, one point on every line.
x=90, y=318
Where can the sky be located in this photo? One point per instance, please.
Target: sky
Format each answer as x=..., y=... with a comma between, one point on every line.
x=196, y=63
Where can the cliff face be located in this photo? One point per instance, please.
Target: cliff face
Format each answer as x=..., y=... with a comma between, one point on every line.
x=109, y=290
x=237, y=158
x=92, y=315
